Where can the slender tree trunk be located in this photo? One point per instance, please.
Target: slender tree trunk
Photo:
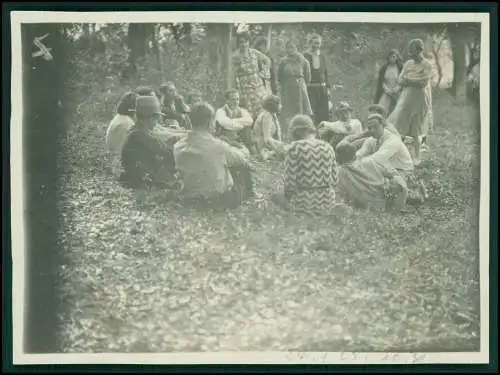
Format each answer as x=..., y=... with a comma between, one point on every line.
x=228, y=56
x=156, y=47
x=269, y=35
x=137, y=40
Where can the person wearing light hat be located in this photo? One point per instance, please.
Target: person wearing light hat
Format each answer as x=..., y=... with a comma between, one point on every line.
x=383, y=173
x=310, y=172
x=334, y=132
x=147, y=158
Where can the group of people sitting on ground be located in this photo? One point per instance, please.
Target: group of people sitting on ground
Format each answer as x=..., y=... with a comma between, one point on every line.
x=204, y=155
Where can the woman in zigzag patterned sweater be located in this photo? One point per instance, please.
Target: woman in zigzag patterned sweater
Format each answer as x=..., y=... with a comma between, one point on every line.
x=310, y=170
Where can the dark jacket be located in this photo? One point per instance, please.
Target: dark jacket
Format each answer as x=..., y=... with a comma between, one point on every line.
x=320, y=76
x=146, y=159
x=380, y=82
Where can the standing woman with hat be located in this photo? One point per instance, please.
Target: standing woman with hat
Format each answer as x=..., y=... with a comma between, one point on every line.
x=412, y=115
x=310, y=171
x=334, y=132
x=294, y=74
x=146, y=158
x=251, y=67
x=319, y=87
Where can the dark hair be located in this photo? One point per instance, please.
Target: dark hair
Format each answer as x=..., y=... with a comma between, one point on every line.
x=229, y=92
x=418, y=43
x=241, y=37
x=377, y=108
x=345, y=153
x=144, y=90
x=399, y=58
x=201, y=115
x=291, y=43
x=271, y=103
x=165, y=85
x=261, y=40
x=126, y=105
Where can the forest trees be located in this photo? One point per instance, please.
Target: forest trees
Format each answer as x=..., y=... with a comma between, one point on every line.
x=217, y=41
x=465, y=40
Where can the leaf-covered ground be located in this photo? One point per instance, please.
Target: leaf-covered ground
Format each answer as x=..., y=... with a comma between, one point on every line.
x=142, y=274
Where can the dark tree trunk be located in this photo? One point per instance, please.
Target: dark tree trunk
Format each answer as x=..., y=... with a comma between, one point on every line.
x=156, y=46
x=227, y=41
x=458, y=47
x=137, y=41
x=43, y=126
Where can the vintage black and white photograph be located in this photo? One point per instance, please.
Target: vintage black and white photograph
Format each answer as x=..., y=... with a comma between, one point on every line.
x=250, y=187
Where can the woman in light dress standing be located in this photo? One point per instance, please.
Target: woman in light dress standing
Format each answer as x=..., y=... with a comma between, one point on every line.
x=412, y=115
x=294, y=73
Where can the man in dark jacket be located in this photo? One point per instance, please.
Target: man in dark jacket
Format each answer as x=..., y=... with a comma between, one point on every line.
x=147, y=159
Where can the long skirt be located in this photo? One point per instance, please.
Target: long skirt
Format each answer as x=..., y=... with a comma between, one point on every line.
x=295, y=101
x=412, y=111
x=388, y=102
x=366, y=184
x=318, y=96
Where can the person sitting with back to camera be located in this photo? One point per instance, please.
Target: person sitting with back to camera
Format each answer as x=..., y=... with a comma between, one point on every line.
x=211, y=171
x=233, y=124
x=146, y=158
x=310, y=174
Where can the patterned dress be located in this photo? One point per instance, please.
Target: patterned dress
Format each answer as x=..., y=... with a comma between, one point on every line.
x=310, y=177
x=249, y=82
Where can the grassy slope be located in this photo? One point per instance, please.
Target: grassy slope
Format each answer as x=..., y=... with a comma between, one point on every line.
x=141, y=274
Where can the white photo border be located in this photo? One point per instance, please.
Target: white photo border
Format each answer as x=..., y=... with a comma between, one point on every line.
x=17, y=194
